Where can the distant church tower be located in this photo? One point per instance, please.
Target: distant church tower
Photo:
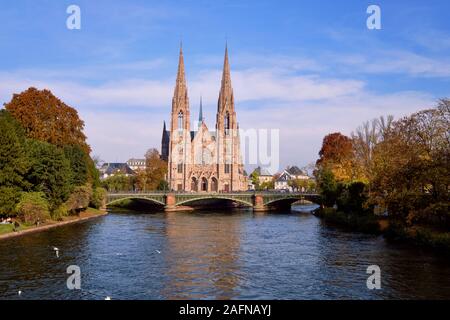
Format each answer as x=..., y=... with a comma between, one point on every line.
x=180, y=131
x=202, y=160
x=229, y=163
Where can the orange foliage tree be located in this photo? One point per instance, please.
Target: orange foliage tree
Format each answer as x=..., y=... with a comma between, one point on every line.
x=337, y=155
x=45, y=117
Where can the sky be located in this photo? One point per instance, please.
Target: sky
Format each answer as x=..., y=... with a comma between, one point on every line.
x=305, y=68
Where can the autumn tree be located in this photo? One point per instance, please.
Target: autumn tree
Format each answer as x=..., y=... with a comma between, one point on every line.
x=156, y=169
x=46, y=118
x=364, y=140
x=337, y=155
x=411, y=168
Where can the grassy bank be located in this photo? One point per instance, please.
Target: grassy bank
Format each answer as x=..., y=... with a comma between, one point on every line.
x=7, y=231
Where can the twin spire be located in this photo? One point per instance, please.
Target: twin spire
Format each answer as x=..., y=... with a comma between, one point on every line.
x=181, y=86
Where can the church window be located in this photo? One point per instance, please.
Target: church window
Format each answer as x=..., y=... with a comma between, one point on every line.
x=227, y=123
x=180, y=121
x=180, y=168
x=227, y=168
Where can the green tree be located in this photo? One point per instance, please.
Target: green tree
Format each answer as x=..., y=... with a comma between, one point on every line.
x=33, y=208
x=78, y=164
x=254, y=176
x=13, y=163
x=98, y=199
x=49, y=172
x=328, y=187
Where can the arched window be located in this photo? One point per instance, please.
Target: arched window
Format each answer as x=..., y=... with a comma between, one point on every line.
x=227, y=123
x=180, y=121
x=194, y=184
x=214, y=185
x=204, y=184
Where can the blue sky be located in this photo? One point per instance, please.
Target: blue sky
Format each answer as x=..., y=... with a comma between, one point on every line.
x=306, y=68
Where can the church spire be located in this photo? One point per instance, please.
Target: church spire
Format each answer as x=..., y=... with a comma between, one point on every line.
x=180, y=86
x=226, y=76
x=226, y=90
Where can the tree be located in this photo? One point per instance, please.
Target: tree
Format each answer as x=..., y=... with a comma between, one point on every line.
x=46, y=118
x=33, y=208
x=328, y=187
x=156, y=169
x=49, y=172
x=79, y=199
x=337, y=155
x=254, y=176
x=13, y=163
x=98, y=199
x=78, y=164
x=411, y=167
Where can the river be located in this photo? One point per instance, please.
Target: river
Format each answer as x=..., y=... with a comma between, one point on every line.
x=216, y=255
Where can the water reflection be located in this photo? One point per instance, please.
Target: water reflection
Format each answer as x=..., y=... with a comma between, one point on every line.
x=202, y=256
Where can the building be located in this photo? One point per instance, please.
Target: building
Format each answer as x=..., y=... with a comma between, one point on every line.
x=112, y=169
x=136, y=164
x=200, y=159
x=263, y=175
x=289, y=174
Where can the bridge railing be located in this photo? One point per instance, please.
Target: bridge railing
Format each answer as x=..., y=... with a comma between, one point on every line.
x=219, y=192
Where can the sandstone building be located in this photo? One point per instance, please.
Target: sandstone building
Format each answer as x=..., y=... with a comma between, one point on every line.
x=200, y=160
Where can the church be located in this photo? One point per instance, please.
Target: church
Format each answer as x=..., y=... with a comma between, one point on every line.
x=200, y=160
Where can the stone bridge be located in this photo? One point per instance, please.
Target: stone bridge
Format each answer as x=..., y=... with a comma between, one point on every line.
x=258, y=201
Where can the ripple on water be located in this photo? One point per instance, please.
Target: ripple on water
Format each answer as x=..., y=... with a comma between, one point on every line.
x=216, y=255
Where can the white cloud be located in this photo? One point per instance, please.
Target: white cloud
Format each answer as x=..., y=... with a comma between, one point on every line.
x=124, y=117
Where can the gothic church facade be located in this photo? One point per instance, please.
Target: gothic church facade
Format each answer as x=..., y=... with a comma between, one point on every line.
x=200, y=160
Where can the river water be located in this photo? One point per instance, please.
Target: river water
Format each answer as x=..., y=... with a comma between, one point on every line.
x=216, y=255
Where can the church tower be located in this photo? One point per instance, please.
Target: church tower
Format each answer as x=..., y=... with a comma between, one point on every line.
x=180, y=132
x=229, y=167
x=201, y=160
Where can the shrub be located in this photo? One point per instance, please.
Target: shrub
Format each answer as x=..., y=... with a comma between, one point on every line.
x=9, y=197
x=33, y=207
x=60, y=212
x=98, y=198
x=79, y=199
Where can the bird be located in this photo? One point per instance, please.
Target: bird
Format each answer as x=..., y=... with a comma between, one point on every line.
x=108, y=298
x=19, y=293
x=158, y=251
x=56, y=251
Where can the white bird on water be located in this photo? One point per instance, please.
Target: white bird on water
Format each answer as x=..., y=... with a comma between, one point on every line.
x=19, y=293
x=56, y=251
x=157, y=251
x=108, y=298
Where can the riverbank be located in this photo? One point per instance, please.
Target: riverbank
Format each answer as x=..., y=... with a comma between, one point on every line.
x=361, y=223
x=6, y=231
x=371, y=224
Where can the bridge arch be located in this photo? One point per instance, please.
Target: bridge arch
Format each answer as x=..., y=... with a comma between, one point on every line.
x=215, y=197
x=154, y=201
x=292, y=199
